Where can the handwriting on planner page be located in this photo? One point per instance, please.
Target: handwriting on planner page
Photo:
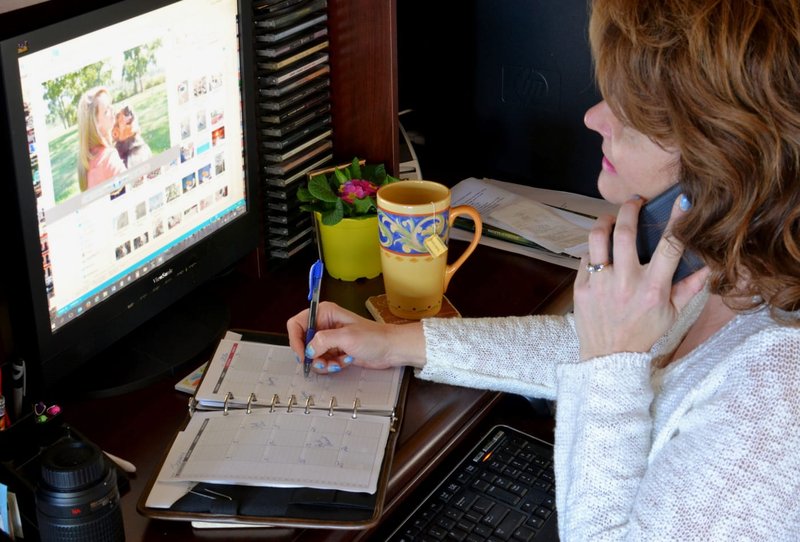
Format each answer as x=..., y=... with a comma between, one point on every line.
x=242, y=368
x=281, y=449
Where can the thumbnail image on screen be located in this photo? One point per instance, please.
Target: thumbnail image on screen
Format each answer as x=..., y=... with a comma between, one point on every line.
x=136, y=146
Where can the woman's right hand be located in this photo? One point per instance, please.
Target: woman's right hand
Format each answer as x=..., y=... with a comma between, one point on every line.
x=343, y=338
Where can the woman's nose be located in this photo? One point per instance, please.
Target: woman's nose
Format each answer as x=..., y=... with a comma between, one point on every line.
x=600, y=119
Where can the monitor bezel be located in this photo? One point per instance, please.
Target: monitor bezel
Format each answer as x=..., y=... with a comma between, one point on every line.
x=54, y=356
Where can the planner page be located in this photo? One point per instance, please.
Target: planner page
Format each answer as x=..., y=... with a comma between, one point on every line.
x=280, y=449
x=273, y=376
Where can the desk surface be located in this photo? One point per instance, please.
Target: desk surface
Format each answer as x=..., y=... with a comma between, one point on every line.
x=139, y=426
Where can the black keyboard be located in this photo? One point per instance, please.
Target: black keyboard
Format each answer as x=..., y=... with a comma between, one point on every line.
x=504, y=489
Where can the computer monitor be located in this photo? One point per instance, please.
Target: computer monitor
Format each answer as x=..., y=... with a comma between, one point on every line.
x=129, y=159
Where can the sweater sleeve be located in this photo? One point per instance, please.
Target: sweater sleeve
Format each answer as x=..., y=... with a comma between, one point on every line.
x=511, y=354
x=602, y=440
x=726, y=466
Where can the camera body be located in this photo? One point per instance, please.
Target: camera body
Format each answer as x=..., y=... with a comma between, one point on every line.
x=77, y=498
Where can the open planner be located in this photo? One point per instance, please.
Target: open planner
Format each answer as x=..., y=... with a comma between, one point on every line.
x=265, y=445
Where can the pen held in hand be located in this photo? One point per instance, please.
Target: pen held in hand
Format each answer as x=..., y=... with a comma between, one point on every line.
x=314, y=281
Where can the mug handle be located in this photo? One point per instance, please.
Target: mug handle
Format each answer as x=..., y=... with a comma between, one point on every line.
x=476, y=218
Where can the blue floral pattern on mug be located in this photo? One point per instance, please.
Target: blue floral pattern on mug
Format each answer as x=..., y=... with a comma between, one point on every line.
x=406, y=234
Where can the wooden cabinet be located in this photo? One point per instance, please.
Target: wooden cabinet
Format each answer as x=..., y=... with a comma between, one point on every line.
x=363, y=59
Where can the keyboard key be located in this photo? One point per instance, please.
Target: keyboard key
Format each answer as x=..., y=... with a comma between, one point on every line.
x=465, y=525
x=457, y=535
x=505, y=496
x=452, y=513
x=464, y=478
x=481, y=485
x=518, y=463
x=437, y=532
x=485, y=531
x=495, y=515
x=510, y=523
x=483, y=505
x=523, y=534
x=535, y=522
x=464, y=501
x=543, y=512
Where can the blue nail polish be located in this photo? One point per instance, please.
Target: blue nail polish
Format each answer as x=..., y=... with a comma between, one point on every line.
x=332, y=368
x=297, y=358
x=319, y=365
x=309, y=351
x=685, y=203
x=348, y=359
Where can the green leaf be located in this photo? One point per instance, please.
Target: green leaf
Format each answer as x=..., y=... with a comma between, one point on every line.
x=304, y=195
x=355, y=169
x=362, y=206
x=314, y=207
x=380, y=175
x=319, y=188
x=333, y=216
x=341, y=178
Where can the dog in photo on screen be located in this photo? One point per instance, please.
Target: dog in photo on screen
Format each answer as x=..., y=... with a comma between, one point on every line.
x=131, y=146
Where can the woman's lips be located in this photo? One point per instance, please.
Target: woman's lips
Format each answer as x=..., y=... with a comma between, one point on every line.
x=608, y=166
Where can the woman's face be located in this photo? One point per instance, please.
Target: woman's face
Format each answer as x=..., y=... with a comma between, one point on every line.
x=104, y=115
x=632, y=164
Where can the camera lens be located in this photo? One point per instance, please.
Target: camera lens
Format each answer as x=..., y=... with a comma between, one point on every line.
x=77, y=498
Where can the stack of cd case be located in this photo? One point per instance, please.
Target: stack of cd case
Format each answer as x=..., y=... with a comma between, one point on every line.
x=294, y=113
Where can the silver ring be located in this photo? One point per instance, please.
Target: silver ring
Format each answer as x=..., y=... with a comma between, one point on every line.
x=595, y=267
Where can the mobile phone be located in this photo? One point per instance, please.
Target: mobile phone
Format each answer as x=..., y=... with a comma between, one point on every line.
x=653, y=218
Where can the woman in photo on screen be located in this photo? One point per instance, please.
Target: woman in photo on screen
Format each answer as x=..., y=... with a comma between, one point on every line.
x=677, y=406
x=98, y=160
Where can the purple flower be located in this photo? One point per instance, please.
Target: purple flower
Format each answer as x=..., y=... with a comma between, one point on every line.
x=357, y=189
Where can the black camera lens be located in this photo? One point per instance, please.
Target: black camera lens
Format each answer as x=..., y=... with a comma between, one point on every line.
x=77, y=499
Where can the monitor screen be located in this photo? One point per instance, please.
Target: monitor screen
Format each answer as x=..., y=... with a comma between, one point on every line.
x=127, y=134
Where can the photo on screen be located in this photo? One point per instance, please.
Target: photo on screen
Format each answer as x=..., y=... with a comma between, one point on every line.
x=106, y=118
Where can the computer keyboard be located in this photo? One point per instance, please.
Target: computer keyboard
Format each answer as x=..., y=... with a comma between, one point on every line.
x=503, y=489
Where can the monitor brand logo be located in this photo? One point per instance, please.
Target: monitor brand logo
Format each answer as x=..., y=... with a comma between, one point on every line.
x=528, y=87
x=162, y=276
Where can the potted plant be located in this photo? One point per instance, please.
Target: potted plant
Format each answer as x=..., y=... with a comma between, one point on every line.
x=342, y=199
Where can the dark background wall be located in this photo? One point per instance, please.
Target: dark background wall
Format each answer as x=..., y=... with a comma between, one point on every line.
x=499, y=89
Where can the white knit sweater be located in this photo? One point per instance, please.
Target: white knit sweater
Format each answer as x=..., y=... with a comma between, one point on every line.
x=706, y=449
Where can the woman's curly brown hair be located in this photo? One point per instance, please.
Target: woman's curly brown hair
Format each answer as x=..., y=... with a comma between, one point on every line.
x=720, y=81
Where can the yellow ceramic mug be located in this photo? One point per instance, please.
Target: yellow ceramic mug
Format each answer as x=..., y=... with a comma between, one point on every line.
x=414, y=221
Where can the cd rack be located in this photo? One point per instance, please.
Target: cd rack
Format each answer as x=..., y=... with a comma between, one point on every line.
x=293, y=114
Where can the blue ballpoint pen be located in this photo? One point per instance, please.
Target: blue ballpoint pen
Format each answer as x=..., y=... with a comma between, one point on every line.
x=314, y=280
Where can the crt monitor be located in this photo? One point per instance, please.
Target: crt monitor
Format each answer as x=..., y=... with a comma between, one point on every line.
x=129, y=163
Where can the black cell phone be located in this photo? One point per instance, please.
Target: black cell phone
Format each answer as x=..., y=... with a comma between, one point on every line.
x=653, y=218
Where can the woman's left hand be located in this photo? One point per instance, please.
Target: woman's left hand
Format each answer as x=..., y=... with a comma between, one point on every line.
x=627, y=306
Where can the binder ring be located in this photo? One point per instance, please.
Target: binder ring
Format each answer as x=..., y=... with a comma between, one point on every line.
x=292, y=402
x=309, y=404
x=228, y=397
x=332, y=406
x=250, y=400
x=356, y=406
x=275, y=401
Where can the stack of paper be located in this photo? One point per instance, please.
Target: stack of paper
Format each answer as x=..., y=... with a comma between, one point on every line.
x=546, y=224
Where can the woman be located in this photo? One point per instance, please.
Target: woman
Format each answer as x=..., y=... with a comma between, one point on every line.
x=98, y=159
x=678, y=407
